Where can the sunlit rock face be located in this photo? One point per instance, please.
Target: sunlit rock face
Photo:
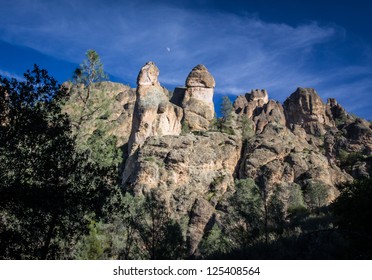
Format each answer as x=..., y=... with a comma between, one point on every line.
x=196, y=99
x=153, y=114
x=257, y=107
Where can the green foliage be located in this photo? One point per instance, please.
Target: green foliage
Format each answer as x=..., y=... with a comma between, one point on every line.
x=215, y=242
x=47, y=187
x=94, y=134
x=353, y=211
x=247, y=211
x=102, y=149
x=161, y=237
x=225, y=124
x=317, y=195
x=226, y=108
x=90, y=71
x=185, y=129
x=276, y=211
x=91, y=246
x=296, y=199
x=349, y=159
x=84, y=77
x=247, y=128
x=341, y=120
x=353, y=206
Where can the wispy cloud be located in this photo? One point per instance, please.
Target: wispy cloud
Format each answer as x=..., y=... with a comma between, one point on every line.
x=10, y=75
x=242, y=52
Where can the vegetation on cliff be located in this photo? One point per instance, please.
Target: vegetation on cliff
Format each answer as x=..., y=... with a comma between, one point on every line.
x=258, y=183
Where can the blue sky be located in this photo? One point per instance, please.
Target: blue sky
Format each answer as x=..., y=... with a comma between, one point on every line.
x=326, y=45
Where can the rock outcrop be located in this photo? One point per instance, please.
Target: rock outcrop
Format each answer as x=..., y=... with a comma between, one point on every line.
x=111, y=108
x=153, y=113
x=196, y=99
x=304, y=142
x=305, y=108
x=278, y=157
x=257, y=107
x=192, y=172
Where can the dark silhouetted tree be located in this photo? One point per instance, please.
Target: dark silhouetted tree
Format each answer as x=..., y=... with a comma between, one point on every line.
x=161, y=236
x=47, y=188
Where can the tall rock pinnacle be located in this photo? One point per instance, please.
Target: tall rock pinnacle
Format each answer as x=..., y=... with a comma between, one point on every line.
x=196, y=98
x=153, y=114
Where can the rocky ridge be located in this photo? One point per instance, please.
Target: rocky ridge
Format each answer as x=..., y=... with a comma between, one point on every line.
x=302, y=142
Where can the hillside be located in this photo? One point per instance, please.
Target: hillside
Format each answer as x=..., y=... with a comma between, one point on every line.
x=98, y=170
x=293, y=154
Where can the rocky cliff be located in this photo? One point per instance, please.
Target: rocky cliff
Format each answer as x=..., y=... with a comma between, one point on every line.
x=303, y=142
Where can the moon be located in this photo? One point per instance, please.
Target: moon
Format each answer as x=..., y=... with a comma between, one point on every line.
x=168, y=49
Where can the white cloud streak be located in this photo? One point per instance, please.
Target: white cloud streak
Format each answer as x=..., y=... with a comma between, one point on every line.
x=10, y=75
x=242, y=52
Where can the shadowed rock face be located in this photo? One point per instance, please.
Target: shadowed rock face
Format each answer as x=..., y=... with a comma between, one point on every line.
x=298, y=143
x=197, y=99
x=192, y=173
x=305, y=108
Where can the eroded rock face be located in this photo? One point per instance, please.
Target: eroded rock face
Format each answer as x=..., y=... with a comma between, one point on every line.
x=192, y=173
x=305, y=108
x=278, y=157
x=257, y=107
x=196, y=99
x=113, y=106
x=153, y=113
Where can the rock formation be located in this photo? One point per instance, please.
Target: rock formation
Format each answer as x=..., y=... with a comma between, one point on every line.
x=191, y=172
x=303, y=142
x=305, y=108
x=278, y=157
x=257, y=107
x=153, y=113
x=196, y=99
x=112, y=108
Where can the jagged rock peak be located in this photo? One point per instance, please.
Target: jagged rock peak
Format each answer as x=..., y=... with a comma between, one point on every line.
x=258, y=94
x=200, y=77
x=148, y=76
x=305, y=107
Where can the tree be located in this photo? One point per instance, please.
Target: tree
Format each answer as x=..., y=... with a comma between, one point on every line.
x=90, y=71
x=246, y=212
x=215, y=242
x=353, y=207
x=276, y=211
x=226, y=111
x=226, y=108
x=84, y=77
x=47, y=188
x=353, y=213
x=317, y=195
x=161, y=236
x=247, y=128
x=92, y=247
